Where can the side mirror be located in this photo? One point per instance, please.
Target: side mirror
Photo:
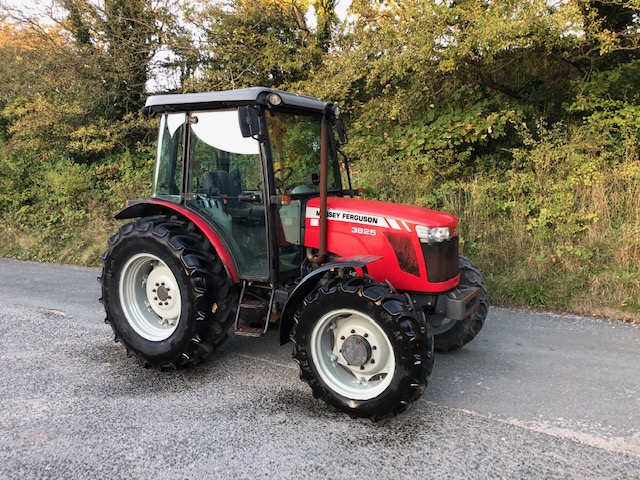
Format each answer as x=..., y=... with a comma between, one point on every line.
x=342, y=132
x=249, y=122
x=313, y=179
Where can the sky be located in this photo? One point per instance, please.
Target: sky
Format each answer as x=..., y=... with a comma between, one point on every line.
x=341, y=8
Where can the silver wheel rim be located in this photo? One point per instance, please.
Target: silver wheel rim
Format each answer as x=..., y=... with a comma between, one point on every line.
x=357, y=382
x=150, y=297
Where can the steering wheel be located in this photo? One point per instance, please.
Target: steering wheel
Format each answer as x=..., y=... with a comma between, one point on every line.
x=281, y=181
x=285, y=175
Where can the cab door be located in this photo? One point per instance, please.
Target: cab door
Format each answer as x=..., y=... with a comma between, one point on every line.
x=226, y=185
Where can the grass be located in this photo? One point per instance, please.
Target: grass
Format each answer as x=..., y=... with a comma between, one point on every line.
x=594, y=271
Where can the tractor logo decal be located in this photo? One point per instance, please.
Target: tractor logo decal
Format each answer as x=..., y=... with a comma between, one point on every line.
x=313, y=214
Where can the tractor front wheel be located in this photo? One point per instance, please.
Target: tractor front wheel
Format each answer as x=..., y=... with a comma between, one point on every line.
x=362, y=348
x=165, y=292
x=453, y=334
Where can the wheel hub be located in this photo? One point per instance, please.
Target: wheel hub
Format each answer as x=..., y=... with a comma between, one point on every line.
x=163, y=294
x=161, y=290
x=353, y=354
x=356, y=350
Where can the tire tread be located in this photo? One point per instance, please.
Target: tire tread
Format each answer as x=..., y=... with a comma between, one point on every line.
x=206, y=278
x=417, y=359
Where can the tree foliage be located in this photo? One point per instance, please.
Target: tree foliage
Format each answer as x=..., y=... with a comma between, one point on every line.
x=74, y=83
x=260, y=42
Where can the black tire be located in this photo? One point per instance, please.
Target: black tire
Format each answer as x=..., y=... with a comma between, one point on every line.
x=372, y=314
x=187, y=323
x=452, y=334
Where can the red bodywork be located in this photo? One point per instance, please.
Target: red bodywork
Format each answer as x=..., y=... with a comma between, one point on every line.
x=363, y=227
x=355, y=228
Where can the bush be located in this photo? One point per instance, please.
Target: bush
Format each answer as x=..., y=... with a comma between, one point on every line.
x=63, y=211
x=561, y=228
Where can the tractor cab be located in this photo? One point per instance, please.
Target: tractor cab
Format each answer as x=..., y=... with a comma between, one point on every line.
x=247, y=161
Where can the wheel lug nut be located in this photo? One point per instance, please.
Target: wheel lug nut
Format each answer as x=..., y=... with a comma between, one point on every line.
x=169, y=298
x=157, y=284
x=154, y=290
x=366, y=335
x=162, y=284
x=155, y=298
x=373, y=361
x=374, y=348
x=167, y=303
x=342, y=337
x=353, y=331
x=362, y=367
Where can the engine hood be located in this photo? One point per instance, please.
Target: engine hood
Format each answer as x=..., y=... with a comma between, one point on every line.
x=393, y=216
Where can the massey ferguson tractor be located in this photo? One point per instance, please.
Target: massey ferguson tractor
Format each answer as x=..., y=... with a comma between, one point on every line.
x=250, y=226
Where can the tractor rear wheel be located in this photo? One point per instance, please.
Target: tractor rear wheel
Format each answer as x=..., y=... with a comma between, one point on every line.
x=165, y=292
x=453, y=334
x=362, y=348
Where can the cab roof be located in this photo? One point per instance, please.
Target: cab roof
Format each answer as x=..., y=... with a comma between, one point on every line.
x=187, y=102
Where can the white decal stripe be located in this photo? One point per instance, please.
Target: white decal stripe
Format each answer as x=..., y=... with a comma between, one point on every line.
x=394, y=224
x=406, y=226
x=349, y=217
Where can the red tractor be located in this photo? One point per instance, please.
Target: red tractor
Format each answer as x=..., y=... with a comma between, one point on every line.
x=249, y=225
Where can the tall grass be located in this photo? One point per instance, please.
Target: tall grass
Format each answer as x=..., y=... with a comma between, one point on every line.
x=63, y=211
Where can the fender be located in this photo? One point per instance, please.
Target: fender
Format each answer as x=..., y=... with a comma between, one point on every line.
x=148, y=207
x=309, y=283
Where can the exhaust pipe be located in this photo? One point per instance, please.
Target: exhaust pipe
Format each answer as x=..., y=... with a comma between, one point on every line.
x=322, y=254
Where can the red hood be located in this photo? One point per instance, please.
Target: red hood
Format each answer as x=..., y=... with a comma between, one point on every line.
x=385, y=213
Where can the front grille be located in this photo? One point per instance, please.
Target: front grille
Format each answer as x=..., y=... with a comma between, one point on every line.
x=405, y=253
x=441, y=260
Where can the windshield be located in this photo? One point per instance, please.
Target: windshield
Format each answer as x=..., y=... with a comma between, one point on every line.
x=167, y=180
x=295, y=148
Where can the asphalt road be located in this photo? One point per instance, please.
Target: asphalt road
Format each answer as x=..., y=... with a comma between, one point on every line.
x=535, y=395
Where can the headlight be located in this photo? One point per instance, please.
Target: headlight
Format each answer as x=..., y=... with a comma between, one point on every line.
x=433, y=235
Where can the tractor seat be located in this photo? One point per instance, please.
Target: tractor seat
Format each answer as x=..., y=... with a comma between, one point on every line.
x=221, y=184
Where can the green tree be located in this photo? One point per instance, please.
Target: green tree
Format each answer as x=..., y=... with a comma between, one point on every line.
x=75, y=82
x=261, y=42
x=441, y=89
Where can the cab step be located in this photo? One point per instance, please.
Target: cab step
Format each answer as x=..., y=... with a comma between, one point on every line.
x=250, y=322
x=254, y=304
x=249, y=331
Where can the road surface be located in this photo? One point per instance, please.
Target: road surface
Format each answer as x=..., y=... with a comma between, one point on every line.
x=535, y=395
